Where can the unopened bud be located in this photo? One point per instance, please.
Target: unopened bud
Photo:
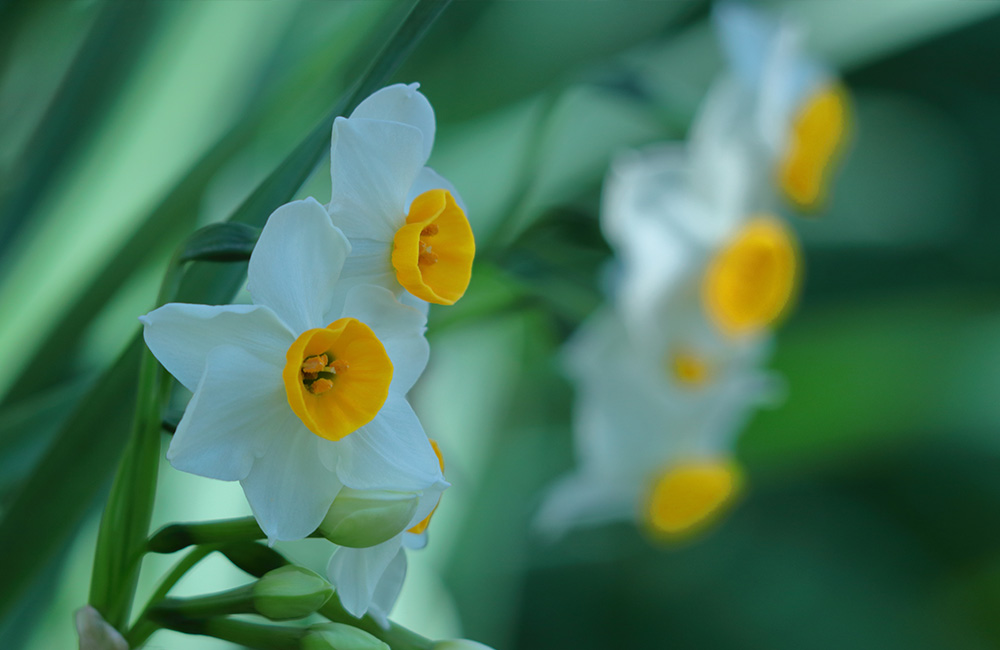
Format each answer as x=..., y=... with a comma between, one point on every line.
x=459, y=644
x=290, y=592
x=337, y=636
x=95, y=633
x=363, y=518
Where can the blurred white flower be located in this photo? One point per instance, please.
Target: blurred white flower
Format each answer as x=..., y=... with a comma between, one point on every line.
x=302, y=392
x=668, y=376
x=406, y=223
x=368, y=580
x=796, y=105
x=95, y=633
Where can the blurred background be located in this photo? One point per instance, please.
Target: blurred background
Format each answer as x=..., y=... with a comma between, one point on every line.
x=872, y=518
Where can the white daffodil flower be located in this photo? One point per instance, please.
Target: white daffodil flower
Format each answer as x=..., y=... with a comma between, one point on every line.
x=303, y=391
x=406, y=223
x=668, y=377
x=797, y=106
x=654, y=424
x=368, y=580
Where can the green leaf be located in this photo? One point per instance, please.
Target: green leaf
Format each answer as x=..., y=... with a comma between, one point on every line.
x=221, y=242
x=52, y=502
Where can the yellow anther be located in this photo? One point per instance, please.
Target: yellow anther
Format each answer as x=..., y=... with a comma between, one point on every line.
x=689, y=495
x=817, y=135
x=330, y=402
x=439, y=275
x=689, y=369
x=320, y=386
x=313, y=365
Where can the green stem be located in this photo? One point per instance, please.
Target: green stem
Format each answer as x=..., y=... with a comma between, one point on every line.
x=175, y=537
x=223, y=603
x=397, y=636
x=126, y=518
x=250, y=635
x=257, y=559
x=144, y=626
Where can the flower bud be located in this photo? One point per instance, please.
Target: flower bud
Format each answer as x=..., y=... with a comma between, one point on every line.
x=290, y=592
x=95, y=633
x=459, y=644
x=337, y=636
x=363, y=518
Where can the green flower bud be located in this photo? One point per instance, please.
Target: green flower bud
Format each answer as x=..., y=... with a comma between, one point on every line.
x=363, y=518
x=290, y=592
x=337, y=636
x=459, y=644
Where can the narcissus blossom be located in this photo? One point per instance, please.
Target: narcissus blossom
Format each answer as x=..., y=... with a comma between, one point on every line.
x=406, y=223
x=667, y=376
x=797, y=107
x=303, y=391
x=368, y=580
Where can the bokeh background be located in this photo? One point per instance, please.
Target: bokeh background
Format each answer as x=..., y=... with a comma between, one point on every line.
x=873, y=514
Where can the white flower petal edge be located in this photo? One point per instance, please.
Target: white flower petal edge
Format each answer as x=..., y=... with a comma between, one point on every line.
x=373, y=164
x=400, y=329
x=238, y=407
x=289, y=489
x=356, y=572
x=389, y=453
x=580, y=500
x=180, y=336
x=296, y=264
x=388, y=588
x=401, y=103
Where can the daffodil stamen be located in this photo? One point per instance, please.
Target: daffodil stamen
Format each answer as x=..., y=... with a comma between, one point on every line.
x=330, y=401
x=422, y=526
x=750, y=281
x=689, y=495
x=437, y=272
x=817, y=135
x=688, y=368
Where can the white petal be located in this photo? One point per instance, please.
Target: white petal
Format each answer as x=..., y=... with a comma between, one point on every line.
x=415, y=541
x=398, y=327
x=389, y=453
x=237, y=409
x=296, y=263
x=388, y=588
x=370, y=262
x=181, y=336
x=373, y=165
x=355, y=572
x=289, y=489
x=427, y=180
x=401, y=103
x=579, y=500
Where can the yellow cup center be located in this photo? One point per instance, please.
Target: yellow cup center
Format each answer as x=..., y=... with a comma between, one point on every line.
x=816, y=137
x=690, y=495
x=688, y=368
x=751, y=280
x=433, y=252
x=422, y=526
x=337, y=377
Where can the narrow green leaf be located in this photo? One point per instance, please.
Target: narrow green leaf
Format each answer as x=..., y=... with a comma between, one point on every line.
x=111, y=50
x=71, y=473
x=221, y=242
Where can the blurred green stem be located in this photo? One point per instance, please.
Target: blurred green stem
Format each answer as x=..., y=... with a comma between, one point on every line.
x=175, y=537
x=144, y=626
x=125, y=522
x=250, y=635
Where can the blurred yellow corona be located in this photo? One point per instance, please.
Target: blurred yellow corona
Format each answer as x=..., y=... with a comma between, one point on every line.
x=817, y=134
x=690, y=495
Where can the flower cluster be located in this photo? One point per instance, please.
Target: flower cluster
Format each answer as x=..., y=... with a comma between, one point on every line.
x=301, y=396
x=668, y=372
